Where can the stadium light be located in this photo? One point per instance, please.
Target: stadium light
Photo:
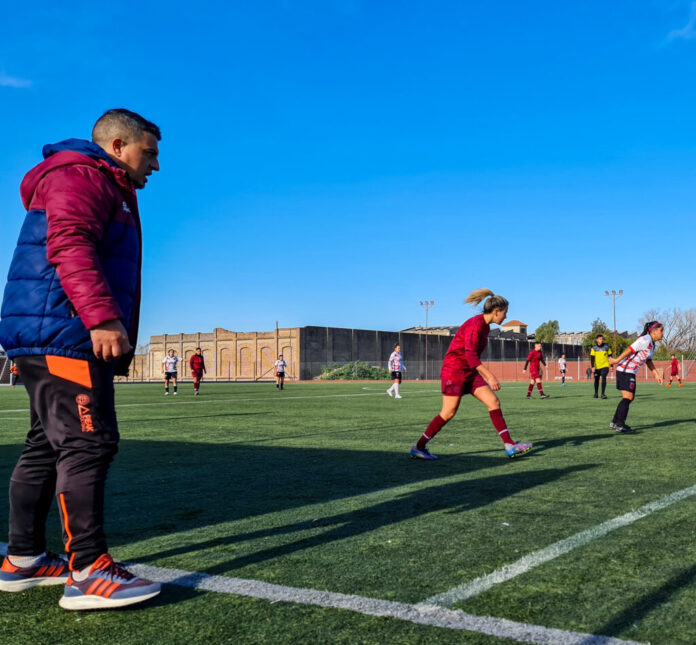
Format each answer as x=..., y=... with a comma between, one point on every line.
x=614, y=295
x=427, y=304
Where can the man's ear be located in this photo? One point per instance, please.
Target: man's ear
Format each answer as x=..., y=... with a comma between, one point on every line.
x=117, y=146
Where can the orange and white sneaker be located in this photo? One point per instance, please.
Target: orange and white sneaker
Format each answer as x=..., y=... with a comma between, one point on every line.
x=108, y=585
x=49, y=569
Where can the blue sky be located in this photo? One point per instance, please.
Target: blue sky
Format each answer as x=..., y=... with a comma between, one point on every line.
x=334, y=162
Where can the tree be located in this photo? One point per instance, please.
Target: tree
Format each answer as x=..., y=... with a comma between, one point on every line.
x=546, y=332
x=600, y=327
x=680, y=330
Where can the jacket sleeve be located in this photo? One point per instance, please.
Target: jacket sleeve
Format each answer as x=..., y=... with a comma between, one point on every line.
x=78, y=207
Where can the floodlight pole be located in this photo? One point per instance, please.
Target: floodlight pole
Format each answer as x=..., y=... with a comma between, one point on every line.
x=427, y=304
x=614, y=295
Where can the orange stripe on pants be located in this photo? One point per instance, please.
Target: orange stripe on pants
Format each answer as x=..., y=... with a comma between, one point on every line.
x=66, y=524
x=74, y=370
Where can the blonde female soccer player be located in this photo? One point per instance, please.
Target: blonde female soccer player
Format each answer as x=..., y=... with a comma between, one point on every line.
x=463, y=373
x=627, y=365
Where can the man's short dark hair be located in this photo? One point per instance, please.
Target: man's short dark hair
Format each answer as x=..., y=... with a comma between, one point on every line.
x=124, y=124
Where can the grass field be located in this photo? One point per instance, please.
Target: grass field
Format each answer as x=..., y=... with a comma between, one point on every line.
x=276, y=496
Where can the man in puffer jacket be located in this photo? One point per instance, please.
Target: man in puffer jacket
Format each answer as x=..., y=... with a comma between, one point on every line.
x=69, y=320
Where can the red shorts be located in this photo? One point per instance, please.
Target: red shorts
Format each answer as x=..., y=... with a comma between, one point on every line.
x=452, y=387
x=675, y=372
x=197, y=374
x=534, y=374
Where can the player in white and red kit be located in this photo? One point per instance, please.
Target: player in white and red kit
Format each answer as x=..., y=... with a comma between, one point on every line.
x=674, y=372
x=535, y=358
x=396, y=366
x=463, y=373
x=169, y=368
x=280, y=366
x=627, y=365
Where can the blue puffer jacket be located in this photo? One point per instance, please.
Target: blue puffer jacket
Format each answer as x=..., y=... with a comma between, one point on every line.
x=78, y=258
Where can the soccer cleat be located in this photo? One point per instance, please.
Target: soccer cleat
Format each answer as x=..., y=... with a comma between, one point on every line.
x=596, y=396
x=681, y=385
x=621, y=428
x=529, y=396
x=668, y=385
x=518, y=449
x=398, y=396
x=196, y=393
x=422, y=453
x=562, y=384
x=108, y=585
x=166, y=394
x=389, y=392
x=174, y=393
x=544, y=396
x=604, y=396
x=50, y=569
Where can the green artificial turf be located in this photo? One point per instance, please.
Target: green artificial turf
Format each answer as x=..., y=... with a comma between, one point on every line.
x=312, y=487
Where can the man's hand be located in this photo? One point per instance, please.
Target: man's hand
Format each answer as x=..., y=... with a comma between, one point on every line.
x=110, y=340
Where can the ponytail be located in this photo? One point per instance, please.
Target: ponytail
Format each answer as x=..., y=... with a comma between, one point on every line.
x=493, y=302
x=649, y=326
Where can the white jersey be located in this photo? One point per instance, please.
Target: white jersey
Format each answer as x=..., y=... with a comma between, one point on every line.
x=396, y=363
x=641, y=350
x=280, y=366
x=170, y=363
x=562, y=364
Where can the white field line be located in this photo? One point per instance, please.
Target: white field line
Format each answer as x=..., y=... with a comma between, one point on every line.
x=419, y=614
x=198, y=401
x=509, y=571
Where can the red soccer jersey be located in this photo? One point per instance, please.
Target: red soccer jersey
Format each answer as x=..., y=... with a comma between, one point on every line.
x=535, y=357
x=675, y=366
x=464, y=353
x=197, y=363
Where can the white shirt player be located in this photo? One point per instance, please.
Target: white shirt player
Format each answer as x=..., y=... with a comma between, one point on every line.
x=170, y=363
x=280, y=365
x=396, y=363
x=642, y=349
x=562, y=364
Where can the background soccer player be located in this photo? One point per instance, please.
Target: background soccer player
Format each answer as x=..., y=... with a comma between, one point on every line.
x=535, y=358
x=627, y=365
x=562, y=368
x=599, y=360
x=280, y=366
x=396, y=366
x=674, y=372
x=197, y=365
x=463, y=373
x=169, y=368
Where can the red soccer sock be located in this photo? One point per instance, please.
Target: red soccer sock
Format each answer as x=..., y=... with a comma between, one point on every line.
x=529, y=389
x=500, y=425
x=433, y=428
x=540, y=388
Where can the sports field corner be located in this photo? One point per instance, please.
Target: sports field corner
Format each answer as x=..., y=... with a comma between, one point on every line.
x=297, y=516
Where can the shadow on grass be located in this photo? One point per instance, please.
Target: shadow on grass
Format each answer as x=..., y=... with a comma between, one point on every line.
x=477, y=493
x=157, y=488
x=668, y=422
x=572, y=440
x=645, y=605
